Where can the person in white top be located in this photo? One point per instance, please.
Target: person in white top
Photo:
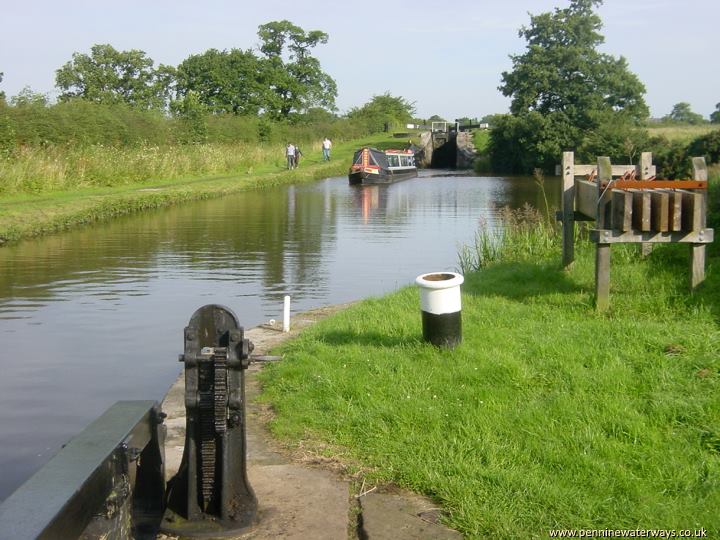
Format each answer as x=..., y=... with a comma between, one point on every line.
x=326, y=146
x=290, y=154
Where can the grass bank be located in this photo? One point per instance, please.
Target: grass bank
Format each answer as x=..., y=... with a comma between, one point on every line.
x=549, y=415
x=149, y=177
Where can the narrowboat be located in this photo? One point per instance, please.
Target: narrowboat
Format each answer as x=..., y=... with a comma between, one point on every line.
x=373, y=166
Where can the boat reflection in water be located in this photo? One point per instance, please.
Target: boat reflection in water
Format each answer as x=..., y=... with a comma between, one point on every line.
x=370, y=200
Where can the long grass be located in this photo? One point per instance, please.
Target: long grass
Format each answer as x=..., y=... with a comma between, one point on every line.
x=549, y=415
x=681, y=133
x=56, y=168
x=524, y=234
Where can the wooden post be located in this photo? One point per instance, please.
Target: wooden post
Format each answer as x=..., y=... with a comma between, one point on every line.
x=697, y=265
x=699, y=169
x=602, y=277
x=604, y=170
x=697, y=251
x=568, y=209
x=645, y=164
x=602, y=251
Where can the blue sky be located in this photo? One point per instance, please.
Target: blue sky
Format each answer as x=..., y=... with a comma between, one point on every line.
x=447, y=57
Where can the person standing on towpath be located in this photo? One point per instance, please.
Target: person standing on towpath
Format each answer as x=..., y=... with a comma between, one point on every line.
x=298, y=155
x=326, y=146
x=290, y=154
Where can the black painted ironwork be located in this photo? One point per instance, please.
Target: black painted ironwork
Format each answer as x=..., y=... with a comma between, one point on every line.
x=211, y=496
x=107, y=482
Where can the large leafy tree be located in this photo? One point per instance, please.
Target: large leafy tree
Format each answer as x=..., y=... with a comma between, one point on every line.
x=383, y=109
x=294, y=77
x=109, y=76
x=224, y=81
x=2, y=94
x=715, y=115
x=562, y=88
x=682, y=113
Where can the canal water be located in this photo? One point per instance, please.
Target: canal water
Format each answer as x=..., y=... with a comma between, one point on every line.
x=96, y=315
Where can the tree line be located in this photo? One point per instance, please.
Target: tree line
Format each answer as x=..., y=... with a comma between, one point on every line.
x=280, y=78
x=274, y=92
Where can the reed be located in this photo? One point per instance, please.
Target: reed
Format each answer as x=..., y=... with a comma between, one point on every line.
x=523, y=234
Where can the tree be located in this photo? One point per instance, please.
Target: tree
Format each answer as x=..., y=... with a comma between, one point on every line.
x=317, y=115
x=223, y=81
x=27, y=97
x=383, y=109
x=715, y=115
x=109, y=76
x=682, y=114
x=293, y=75
x=192, y=113
x=7, y=129
x=571, y=86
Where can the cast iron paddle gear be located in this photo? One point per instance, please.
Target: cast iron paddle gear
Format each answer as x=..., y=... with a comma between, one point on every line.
x=210, y=496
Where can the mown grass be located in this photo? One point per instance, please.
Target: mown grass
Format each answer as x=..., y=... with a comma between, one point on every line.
x=130, y=180
x=549, y=415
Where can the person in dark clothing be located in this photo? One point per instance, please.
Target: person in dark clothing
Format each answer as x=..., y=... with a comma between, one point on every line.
x=298, y=155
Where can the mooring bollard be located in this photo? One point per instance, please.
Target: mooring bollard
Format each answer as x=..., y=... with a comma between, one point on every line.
x=210, y=496
x=441, y=308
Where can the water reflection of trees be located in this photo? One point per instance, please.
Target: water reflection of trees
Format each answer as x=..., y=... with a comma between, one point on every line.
x=276, y=235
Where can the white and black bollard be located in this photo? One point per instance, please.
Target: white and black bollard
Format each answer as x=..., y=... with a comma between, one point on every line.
x=441, y=309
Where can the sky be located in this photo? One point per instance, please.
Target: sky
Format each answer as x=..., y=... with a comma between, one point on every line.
x=445, y=56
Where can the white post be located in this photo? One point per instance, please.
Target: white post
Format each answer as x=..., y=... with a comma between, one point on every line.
x=286, y=314
x=440, y=306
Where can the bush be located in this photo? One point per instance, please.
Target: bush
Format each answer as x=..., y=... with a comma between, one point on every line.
x=615, y=137
x=708, y=146
x=82, y=123
x=7, y=131
x=671, y=158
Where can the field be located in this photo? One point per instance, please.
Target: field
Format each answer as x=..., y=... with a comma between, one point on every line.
x=683, y=133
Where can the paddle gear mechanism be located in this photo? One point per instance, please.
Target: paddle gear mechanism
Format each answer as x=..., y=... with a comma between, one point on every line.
x=210, y=496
